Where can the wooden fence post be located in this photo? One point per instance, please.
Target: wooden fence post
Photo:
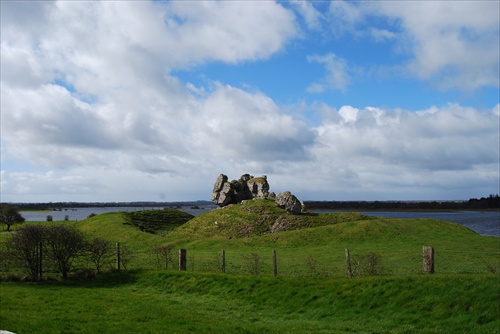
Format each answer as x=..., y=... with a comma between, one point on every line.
x=348, y=263
x=428, y=255
x=275, y=264
x=40, y=259
x=117, y=256
x=182, y=259
x=223, y=261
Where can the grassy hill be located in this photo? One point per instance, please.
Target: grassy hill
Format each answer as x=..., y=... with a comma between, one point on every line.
x=310, y=295
x=255, y=218
x=314, y=244
x=311, y=245
x=113, y=226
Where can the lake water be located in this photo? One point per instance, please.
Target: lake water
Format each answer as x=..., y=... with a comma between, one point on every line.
x=482, y=222
x=83, y=213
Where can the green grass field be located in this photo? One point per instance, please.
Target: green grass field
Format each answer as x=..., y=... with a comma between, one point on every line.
x=174, y=302
x=310, y=295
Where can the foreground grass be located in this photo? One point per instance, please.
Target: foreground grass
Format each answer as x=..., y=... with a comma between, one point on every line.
x=173, y=302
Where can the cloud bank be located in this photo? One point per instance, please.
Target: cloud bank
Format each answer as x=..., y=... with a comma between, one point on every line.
x=91, y=111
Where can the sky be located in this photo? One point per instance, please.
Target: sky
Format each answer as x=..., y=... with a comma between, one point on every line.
x=119, y=101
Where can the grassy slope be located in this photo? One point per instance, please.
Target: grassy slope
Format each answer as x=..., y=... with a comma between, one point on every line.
x=150, y=301
x=157, y=221
x=398, y=241
x=112, y=226
x=154, y=302
x=255, y=218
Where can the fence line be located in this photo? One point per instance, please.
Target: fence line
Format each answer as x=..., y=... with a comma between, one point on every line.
x=288, y=261
x=350, y=264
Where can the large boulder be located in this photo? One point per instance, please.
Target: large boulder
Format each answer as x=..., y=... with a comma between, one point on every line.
x=289, y=202
x=258, y=187
x=222, y=194
x=236, y=191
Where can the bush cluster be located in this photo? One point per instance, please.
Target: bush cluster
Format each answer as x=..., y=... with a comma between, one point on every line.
x=40, y=248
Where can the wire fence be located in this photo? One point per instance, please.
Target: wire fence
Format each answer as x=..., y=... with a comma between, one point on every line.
x=289, y=263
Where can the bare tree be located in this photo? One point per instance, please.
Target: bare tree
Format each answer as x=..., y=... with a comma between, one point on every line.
x=9, y=215
x=368, y=264
x=64, y=244
x=126, y=256
x=99, y=252
x=312, y=264
x=164, y=255
x=253, y=263
x=25, y=249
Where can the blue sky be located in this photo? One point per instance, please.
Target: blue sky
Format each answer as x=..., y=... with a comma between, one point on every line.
x=135, y=101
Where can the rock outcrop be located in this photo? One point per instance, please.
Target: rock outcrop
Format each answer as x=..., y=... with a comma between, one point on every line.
x=248, y=188
x=223, y=191
x=236, y=191
x=289, y=202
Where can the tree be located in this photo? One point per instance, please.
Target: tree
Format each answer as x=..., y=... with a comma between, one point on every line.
x=99, y=252
x=9, y=215
x=64, y=244
x=126, y=256
x=163, y=254
x=25, y=249
x=58, y=245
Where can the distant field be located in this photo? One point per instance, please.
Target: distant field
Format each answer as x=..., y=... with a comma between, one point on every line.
x=310, y=295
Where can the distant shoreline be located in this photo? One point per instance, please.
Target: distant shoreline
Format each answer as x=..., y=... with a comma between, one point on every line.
x=404, y=210
x=483, y=204
x=491, y=203
x=55, y=206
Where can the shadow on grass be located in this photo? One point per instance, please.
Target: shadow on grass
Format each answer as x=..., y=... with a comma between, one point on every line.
x=103, y=280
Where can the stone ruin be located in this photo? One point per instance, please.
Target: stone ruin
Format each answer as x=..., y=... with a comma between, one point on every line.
x=248, y=188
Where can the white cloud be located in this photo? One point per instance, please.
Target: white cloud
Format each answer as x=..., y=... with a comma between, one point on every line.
x=451, y=138
x=456, y=44
x=116, y=58
x=496, y=109
x=337, y=73
x=395, y=154
x=344, y=16
x=229, y=31
x=248, y=126
x=369, y=153
x=382, y=35
x=452, y=44
x=107, y=46
x=349, y=114
x=312, y=16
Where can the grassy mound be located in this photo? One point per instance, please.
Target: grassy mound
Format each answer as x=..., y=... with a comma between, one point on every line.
x=255, y=218
x=113, y=226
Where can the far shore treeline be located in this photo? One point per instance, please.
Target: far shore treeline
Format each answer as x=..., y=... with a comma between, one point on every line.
x=485, y=203
x=63, y=205
x=492, y=202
